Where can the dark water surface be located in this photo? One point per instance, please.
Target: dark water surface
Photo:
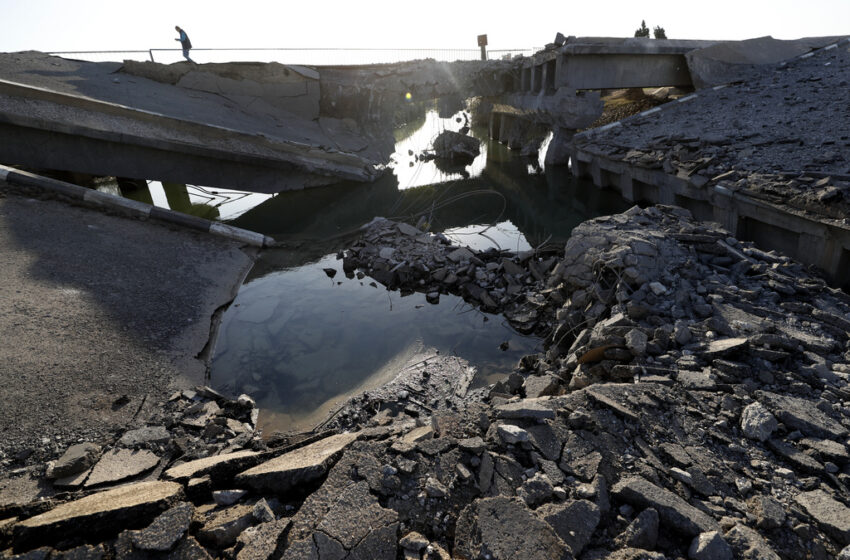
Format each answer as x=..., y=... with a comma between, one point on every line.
x=299, y=341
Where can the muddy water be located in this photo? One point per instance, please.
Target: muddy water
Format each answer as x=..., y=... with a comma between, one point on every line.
x=300, y=341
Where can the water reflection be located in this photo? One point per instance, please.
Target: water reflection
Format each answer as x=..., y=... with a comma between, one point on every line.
x=299, y=341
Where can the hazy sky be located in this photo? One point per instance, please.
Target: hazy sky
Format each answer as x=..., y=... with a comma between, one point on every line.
x=67, y=25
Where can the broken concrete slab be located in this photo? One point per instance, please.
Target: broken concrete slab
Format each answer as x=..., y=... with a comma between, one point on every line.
x=673, y=510
x=232, y=462
x=573, y=521
x=121, y=464
x=165, y=531
x=830, y=514
x=100, y=514
x=145, y=436
x=528, y=409
x=296, y=467
x=221, y=528
x=262, y=541
x=506, y=528
x=798, y=414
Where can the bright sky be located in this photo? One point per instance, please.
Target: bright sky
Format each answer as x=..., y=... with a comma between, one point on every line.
x=68, y=25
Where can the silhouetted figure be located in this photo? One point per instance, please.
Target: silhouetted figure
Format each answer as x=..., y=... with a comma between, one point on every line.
x=185, y=42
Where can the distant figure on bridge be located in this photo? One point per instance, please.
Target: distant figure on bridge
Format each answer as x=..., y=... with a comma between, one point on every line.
x=185, y=42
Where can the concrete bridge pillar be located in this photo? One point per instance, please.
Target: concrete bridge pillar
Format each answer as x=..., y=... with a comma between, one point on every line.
x=560, y=147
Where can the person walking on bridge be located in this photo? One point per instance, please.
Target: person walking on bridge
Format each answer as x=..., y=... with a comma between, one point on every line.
x=185, y=42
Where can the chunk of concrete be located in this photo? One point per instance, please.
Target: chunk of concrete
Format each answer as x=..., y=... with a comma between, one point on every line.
x=574, y=522
x=710, y=546
x=121, y=464
x=221, y=528
x=165, y=531
x=76, y=459
x=145, y=436
x=673, y=510
x=757, y=422
x=799, y=414
x=263, y=541
x=526, y=409
x=101, y=514
x=232, y=462
x=506, y=528
x=747, y=543
x=831, y=515
x=296, y=467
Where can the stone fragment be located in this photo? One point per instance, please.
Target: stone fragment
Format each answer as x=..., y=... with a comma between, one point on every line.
x=511, y=434
x=710, y=546
x=485, y=472
x=474, y=445
x=145, y=436
x=355, y=516
x=296, y=467
x=799, y=460
x=757, y=422
x=536, y=490
x=725, y=347
x=541, y=385
x=121, y=464
x=642, y=532
x=165, y=531
x=263, y=541
x=461, y=254
x=228, y=462
x=413, y=541
x=263, y=512
x=408, y=229
x=505, y=528
x=76, y=459
x=527, y=409
x=434, y=488
x=102, y=513
x=228, y=497
x=636, y=341
x=748, y=544
x=799, y=414
x=574, y=522
x=832, y=516
x=769, y=513
x=672, y=509
x=221, y=528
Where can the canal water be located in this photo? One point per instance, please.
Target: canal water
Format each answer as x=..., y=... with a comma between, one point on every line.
x=300, y=341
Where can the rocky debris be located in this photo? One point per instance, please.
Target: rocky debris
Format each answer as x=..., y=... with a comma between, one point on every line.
x=780, y=136
x=456, y=147
x=75, y=460
x=98, y=514
x=701, y=410
x=296, y=467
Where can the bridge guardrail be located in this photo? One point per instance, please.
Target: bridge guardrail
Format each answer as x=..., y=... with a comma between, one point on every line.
x=328, y=56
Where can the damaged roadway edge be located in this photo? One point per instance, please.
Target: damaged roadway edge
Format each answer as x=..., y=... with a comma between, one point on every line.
x=26, y=179
x=693, y=401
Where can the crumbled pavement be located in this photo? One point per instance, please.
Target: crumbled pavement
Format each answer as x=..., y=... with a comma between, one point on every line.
x=661, y=332
x=781, y=136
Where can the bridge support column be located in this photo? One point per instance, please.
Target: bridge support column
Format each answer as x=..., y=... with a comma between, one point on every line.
x=560, y=147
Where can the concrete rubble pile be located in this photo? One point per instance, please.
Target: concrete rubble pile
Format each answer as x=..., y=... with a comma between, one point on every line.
x=693, y=402
x=781, y=136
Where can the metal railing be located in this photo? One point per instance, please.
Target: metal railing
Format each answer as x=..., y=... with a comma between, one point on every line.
x=306, y=56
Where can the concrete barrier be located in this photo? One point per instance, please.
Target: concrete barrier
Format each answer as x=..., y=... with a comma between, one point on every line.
x=134, y=208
